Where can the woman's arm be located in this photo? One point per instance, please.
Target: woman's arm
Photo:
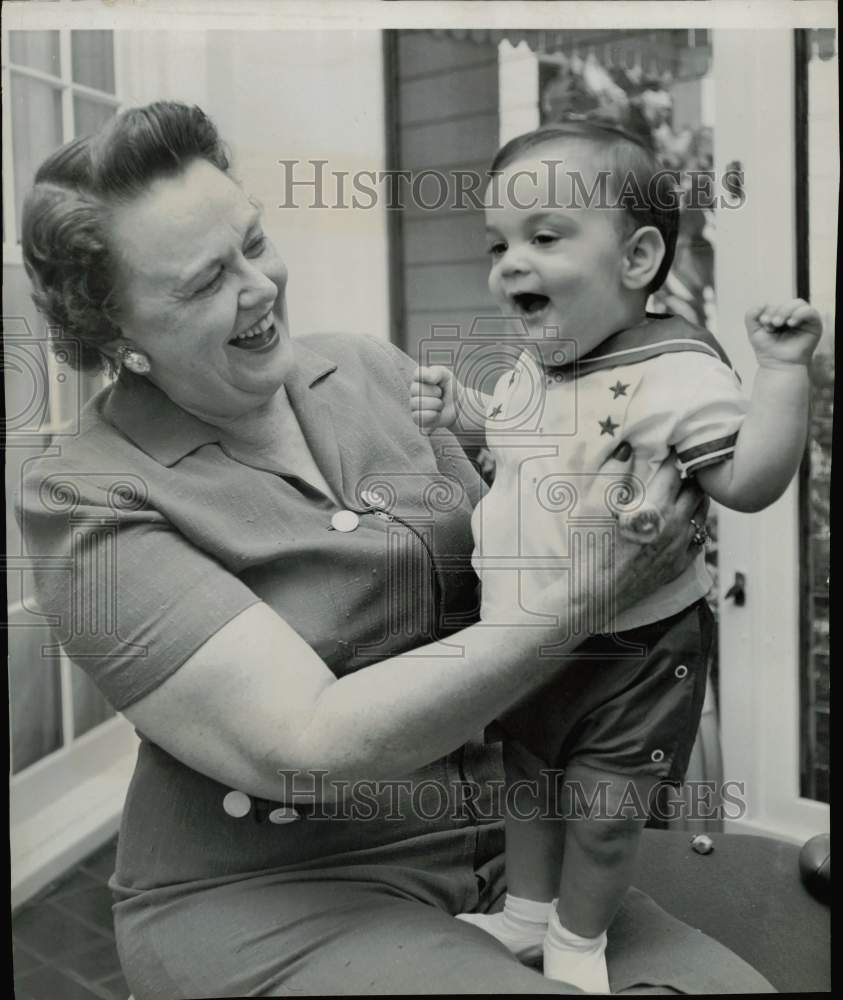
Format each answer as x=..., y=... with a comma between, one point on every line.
x=255, y=699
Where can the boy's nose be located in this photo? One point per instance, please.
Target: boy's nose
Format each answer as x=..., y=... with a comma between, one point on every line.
x=513, y=262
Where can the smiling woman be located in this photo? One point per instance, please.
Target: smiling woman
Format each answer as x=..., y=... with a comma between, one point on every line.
x=269, y=575
x=203, y=293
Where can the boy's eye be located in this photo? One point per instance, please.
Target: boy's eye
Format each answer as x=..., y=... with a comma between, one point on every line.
x=543, y=239
x=496, y=249
x=256, y=247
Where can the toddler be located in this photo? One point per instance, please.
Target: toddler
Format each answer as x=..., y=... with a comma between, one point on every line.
x=582, y=229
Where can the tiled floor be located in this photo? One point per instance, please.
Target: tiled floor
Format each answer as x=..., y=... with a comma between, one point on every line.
x=63, y=940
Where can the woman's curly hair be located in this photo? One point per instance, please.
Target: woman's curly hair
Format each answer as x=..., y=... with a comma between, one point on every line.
x=65, y=226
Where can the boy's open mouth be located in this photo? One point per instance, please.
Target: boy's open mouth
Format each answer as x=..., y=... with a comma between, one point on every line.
x=530, y=303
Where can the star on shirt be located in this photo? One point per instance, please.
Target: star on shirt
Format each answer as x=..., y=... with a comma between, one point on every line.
x=495, y=411
x=608, y=427
x=619, y=389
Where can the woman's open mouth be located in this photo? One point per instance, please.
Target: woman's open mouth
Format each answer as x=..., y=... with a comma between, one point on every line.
x=261, y=335
x=530, y=304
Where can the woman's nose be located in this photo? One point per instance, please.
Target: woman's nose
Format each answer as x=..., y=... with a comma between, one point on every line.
x=257, y=287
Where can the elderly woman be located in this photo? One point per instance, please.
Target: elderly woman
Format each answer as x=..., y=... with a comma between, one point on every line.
x=271, y=581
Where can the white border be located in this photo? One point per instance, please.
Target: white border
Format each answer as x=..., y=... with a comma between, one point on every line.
x=323, y=15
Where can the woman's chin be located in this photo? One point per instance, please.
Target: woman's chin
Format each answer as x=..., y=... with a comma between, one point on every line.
x=264, y=368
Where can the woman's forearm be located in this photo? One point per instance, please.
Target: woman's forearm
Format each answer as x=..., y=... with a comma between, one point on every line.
x=401, y=713
x=256, y=703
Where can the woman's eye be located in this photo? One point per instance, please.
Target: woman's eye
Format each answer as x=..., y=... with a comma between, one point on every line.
x=210, y=285
x=256, y=247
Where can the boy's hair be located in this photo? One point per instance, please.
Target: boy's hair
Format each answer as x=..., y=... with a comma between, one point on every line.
x=652, y=202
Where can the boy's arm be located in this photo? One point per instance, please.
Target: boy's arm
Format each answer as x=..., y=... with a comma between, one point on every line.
x=772, y=437
x=472, y=408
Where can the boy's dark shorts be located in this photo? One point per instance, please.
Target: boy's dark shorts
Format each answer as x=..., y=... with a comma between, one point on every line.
x=620, y=709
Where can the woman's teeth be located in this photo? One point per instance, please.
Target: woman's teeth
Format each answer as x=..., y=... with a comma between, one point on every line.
x=257, y=335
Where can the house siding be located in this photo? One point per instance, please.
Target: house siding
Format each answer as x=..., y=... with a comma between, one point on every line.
x=445, y=117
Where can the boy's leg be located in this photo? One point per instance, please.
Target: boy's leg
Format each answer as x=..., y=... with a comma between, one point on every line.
x=534, y=845
x=535, y=833
x=601, y=844
x=606, y=814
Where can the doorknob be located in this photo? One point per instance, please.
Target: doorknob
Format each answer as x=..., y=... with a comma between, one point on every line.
x=737, y=591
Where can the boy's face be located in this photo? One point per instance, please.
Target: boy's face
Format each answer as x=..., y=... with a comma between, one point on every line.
x=556, y=260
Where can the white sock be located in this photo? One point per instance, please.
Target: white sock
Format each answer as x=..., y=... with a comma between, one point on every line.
x=521, y=925
x=576, y=960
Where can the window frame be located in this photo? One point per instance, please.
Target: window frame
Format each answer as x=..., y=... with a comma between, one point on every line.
x=51, y=830
x=760, y=640
x=68, y=89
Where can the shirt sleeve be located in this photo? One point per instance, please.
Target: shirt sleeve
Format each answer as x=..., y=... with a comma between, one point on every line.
x=709, y=413
x=128, y=597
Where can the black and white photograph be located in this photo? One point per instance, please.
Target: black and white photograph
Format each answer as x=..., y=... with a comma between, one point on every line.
x=398, y=395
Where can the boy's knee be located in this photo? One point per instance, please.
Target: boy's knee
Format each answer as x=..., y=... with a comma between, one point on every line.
x=608, y=841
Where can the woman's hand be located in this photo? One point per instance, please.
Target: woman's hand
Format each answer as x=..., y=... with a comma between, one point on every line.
x=629, y=570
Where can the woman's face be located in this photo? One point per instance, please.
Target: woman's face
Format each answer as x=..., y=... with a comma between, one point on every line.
x=202, y=293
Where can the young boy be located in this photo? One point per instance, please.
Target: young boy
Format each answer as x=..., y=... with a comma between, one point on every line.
x=596, y=370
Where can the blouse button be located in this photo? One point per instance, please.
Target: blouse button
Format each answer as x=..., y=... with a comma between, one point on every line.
x=344, y=520
x=681, y=671
x=284, y=814
x=657, y=756
x=237, y=804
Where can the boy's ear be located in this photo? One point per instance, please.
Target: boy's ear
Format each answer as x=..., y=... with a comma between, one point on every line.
x=645, y=251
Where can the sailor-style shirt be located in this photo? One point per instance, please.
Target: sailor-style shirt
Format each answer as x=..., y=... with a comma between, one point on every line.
x=663, y=386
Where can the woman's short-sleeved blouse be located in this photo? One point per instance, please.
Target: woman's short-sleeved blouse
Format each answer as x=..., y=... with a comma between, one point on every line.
x=146, y=537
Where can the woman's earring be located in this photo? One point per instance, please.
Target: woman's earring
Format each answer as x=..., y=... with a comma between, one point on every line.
x=135, y=361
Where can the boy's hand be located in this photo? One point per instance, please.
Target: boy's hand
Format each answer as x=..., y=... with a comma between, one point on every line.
x=434, y=394
x=784, y=334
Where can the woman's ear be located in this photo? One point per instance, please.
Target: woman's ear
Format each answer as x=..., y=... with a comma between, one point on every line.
x=124, y=354
x=111, y=348
x=645, y=251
